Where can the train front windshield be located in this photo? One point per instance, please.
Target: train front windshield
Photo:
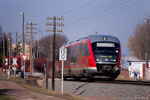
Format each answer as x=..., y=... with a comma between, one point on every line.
x=105, y=52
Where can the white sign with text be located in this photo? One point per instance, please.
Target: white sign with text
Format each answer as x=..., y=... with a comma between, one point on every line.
x=62, y=54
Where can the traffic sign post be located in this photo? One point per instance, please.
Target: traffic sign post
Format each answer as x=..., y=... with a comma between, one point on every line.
x=14, y=69
x=62, y=56
x=14, y=65
x=24, y=57
x=6, y=62
x=6, y=65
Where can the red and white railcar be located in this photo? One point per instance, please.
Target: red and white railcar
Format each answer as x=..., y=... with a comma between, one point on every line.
x=95, y=56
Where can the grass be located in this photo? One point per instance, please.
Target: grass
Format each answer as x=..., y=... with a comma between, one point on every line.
x=35, y=89
x=4, y=97
x=48, y=92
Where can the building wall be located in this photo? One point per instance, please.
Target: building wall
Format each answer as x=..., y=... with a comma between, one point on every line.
x=139, y=68
x=27, y=48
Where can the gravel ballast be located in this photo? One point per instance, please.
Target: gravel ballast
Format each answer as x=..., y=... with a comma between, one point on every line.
x=103, y=90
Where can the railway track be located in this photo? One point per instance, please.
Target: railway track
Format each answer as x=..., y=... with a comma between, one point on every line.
x=130, y=82
x=143, y=83
x=115, y=90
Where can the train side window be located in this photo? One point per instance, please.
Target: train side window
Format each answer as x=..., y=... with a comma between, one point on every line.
x=84, y=50
x=87, y=50
x=74, y=55
x=81, y=50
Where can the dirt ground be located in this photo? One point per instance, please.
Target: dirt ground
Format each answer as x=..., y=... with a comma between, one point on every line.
x=17, y=92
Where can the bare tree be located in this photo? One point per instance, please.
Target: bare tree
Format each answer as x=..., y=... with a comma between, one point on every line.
x=47, y=42
x=137, y=41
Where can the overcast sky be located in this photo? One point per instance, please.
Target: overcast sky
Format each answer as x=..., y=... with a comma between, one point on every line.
x=81, y=17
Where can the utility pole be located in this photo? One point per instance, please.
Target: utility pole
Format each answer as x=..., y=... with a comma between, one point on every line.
x=46, y=74
x=147, y=49
x=16, y=44
x=31, y=51
x=0, y=33
x=31, y=31
x=3, y=49
x=23, y=37
x=10, y=52
x=54, y=24
x=8, y=46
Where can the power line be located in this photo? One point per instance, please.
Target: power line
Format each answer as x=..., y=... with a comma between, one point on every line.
x=91, y=9
x=103, y=11
x=130, y=6
x=94, y=9
x=136, y=5
x=82, y=6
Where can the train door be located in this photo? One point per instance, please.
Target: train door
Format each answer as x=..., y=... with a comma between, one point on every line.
x=67, y=64
x=73, y=60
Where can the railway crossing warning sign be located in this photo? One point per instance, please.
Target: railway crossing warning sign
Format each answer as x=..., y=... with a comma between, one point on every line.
x=14, y=64
x=6, y=61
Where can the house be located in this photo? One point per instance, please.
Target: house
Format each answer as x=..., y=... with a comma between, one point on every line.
x=140, y=68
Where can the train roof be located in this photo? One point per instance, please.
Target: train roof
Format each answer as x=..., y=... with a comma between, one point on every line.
x=95, y=38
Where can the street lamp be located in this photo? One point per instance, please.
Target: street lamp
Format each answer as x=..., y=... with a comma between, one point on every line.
x=23, y=39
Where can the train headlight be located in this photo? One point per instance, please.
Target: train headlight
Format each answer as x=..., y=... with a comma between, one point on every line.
x=117, y=51
x=97, y=59
x=104, y=38
x=114, y=60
